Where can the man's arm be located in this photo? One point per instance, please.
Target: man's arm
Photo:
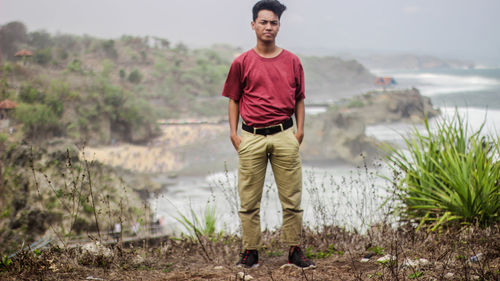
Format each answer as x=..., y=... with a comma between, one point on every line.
x=300, y=114
x=234, y=116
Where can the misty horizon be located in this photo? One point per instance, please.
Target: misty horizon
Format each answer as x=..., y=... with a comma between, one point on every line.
x=460, y=30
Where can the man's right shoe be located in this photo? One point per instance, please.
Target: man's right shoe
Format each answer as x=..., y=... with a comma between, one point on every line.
x=296, y=258
x=249, y=259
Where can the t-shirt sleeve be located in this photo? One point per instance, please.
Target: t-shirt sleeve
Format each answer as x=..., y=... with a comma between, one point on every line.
x=233, y=87
x=299, y=78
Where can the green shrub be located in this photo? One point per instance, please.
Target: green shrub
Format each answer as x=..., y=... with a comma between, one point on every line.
x=61, y=53
x=135, y=77
x=3, y=138
x=355, y=103
x=43, y=56
x=75, y=65
x=55, y=103
x=37, y=119
x=449, y=175
x=107, y=68
x=29, y=94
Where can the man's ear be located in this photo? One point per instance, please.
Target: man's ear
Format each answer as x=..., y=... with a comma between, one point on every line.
x=252, y=23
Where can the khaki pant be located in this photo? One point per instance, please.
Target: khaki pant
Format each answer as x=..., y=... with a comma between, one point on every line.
x=282, y=150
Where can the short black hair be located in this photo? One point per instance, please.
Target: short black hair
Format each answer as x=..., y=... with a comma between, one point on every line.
x=271, y=5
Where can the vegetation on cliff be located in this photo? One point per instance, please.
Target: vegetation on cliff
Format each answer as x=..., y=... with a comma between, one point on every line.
x=98, y=90
x=59, y=195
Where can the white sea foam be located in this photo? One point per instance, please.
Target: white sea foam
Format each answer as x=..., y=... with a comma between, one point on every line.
x=431, y=84
x=476, y=117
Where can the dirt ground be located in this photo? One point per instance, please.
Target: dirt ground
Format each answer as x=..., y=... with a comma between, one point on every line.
x=460, y=254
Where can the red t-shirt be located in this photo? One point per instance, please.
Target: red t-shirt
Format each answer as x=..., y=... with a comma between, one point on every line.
x=266, y=88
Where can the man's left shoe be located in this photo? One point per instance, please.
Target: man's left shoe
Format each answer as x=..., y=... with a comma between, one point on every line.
x=297, y=258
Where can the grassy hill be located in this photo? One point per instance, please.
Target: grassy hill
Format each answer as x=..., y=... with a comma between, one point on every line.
x=101, y=90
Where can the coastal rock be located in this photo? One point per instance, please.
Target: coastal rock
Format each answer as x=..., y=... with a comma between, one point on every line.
x=339, y=133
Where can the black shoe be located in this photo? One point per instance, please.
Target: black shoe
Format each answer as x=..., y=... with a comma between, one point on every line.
x=249, y=258
x=297, y=258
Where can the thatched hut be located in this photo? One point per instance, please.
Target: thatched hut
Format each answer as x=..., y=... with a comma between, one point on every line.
x=23, y=54
x=6, y=107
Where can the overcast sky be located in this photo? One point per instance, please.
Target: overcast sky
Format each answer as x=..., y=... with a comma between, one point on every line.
x=463, y=29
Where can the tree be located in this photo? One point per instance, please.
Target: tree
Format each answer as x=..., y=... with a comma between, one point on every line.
x=12, y=35
x=109, y=49
x=40, y=39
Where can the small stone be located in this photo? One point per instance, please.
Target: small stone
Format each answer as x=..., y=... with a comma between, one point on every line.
x=364, y=260
x=219, y=267
x=410, y=263
x=94, y=278
x=97, y=249
x=138, y=260
x=386, y=258
x=423, y=262
x=449, y=275
x=477, y=257
x=244, y=276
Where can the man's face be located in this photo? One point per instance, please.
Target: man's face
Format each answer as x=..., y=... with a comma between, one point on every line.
x=266, y=26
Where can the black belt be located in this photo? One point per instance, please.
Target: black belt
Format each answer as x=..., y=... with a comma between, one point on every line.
x=269, y=130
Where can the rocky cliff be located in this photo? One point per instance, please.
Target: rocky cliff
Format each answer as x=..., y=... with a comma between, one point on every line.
x=339, y=133
x=327, y=75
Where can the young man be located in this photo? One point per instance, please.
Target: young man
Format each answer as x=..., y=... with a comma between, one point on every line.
x=265, y=85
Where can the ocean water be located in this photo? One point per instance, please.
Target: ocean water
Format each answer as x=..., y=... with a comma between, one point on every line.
x=341, y=195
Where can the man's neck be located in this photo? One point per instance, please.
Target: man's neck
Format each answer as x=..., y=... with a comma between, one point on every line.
x=267, y=50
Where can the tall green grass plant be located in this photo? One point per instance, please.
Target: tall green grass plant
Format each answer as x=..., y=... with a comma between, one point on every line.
x=449, y=174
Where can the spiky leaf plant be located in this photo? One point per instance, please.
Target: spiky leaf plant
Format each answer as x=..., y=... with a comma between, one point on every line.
x=449, y=174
